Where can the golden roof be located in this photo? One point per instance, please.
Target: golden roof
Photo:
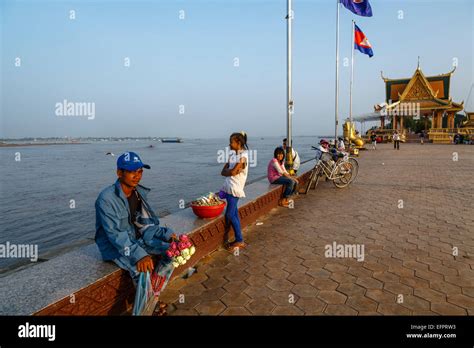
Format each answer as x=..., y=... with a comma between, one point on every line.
x=430, y=92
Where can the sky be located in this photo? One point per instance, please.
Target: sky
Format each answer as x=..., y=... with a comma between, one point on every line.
x=207, y=68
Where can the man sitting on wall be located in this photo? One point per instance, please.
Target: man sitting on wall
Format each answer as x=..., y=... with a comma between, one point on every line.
x=128, y=231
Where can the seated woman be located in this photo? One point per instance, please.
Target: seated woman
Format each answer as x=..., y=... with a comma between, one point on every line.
x=278, y=175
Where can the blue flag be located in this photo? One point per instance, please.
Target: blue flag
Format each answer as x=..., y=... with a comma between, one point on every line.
x=359, y=7
x=361, y=43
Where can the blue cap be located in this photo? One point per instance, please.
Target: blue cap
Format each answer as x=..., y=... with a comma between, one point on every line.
x=130, y=161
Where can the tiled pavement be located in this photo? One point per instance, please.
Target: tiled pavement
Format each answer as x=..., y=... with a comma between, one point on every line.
x=410, y=209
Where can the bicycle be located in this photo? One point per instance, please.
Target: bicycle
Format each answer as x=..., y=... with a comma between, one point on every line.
x=341, y=172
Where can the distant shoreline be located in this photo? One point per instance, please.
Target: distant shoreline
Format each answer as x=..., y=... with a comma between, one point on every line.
x=37, y=144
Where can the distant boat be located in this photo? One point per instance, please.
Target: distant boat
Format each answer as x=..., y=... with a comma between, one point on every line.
x=171, y=140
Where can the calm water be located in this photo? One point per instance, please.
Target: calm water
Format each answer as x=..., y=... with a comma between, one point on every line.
x=36, y=191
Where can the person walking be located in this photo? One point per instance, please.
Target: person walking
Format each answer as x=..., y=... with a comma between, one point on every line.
x=396, y=140
x=373, y=138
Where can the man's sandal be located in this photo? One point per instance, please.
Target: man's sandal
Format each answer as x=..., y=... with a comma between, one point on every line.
x=160, y=309
x=283, y=203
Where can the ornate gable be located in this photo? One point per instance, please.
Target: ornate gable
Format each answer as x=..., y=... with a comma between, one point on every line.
x=438, y=84
x=418, y=88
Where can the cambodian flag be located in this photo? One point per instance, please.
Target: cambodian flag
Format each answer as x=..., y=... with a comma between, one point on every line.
x=361, y=43
x=359, y=7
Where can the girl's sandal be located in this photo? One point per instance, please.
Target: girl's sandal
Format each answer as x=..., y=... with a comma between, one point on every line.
x=235, y=245
x=239, y=245
x=229, y=247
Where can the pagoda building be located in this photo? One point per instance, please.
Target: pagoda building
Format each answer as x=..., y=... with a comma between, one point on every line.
x=422, y=96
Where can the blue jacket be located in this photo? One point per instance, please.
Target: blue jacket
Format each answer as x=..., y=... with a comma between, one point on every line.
x=115, y=233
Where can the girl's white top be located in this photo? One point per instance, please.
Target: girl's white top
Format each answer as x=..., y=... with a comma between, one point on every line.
x=234, y=185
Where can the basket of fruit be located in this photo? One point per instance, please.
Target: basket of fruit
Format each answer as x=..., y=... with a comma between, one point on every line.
x=209, y=206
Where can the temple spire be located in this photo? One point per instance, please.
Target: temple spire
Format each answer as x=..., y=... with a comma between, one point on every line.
x=418, y=67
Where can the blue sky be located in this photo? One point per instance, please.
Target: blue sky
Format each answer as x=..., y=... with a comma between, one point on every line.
x=190, y=62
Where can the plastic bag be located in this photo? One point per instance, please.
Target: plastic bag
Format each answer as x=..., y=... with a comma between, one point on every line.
x=144, y=296
x=161, y=275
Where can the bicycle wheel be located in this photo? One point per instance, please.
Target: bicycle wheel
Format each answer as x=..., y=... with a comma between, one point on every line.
x=313, y=179
x=355, y=168
x=343, y=174
x=310, y=180
x=316, y=179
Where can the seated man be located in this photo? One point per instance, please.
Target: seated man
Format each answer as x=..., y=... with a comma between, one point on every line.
x=127, y=230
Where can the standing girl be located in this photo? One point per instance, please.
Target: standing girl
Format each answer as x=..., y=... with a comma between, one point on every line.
x=235, y=171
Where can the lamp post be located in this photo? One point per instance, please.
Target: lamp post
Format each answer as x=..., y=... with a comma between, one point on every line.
x=289, y=97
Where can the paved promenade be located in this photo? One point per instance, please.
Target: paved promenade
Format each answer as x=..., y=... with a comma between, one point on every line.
x=410, y=210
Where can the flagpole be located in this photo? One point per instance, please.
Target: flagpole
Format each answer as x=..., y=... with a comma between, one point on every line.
x=289, y=97
x=352, y=71
x=337, y=74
